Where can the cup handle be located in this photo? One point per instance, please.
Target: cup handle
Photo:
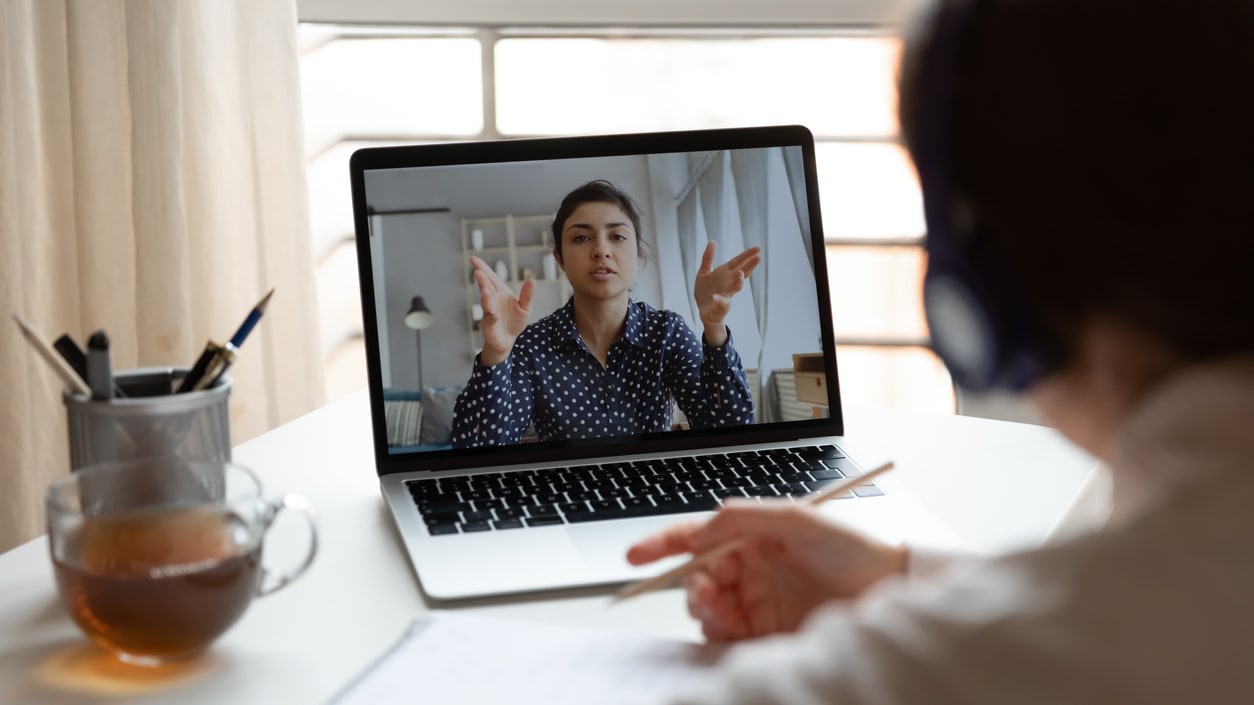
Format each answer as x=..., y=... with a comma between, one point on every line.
x=302, y=506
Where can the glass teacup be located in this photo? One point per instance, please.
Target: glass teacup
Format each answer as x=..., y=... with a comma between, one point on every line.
x=156, y=558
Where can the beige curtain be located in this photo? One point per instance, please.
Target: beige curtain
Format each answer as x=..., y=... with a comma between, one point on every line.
x=151, y=185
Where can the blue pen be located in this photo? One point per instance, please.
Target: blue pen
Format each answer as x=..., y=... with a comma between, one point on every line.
x=213, y=361
x=253, y=316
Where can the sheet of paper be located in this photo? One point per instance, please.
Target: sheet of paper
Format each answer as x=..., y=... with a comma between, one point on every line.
x=454, y=658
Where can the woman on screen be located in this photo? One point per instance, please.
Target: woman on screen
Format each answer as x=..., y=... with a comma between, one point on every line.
x=602, y=365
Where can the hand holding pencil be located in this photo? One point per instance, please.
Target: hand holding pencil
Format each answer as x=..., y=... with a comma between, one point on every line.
x=761, y=568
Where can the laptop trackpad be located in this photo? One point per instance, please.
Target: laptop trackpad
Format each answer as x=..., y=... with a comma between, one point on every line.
x=603, y=545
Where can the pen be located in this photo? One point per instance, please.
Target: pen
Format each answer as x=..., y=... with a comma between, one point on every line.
x=198, y=370
x=247, y=326
x=99, y=368
x=665, y=579
x=222, y=358
x=77, y=359
x=72, y=354
x=213, y=362
x=67, y=375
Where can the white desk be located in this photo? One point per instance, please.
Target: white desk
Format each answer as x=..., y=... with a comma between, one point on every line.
x=304, y=643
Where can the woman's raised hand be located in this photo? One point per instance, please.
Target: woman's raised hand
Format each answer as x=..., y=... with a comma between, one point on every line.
x=504, y=315
x=793, y=560
x=716, y=285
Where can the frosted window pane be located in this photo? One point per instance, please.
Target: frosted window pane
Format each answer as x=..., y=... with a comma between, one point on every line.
x=877, y=292
x=868, y=190
x=391, y=86
x=834, y=86
x=907, y=378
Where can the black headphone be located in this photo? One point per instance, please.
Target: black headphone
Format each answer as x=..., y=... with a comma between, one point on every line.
x=979, y=322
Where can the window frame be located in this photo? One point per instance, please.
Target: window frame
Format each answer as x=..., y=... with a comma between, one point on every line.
x=641, y=13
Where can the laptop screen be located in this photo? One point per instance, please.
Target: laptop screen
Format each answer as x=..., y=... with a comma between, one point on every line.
x=557, y=297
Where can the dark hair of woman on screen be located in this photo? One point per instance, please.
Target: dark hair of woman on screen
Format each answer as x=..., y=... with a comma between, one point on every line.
x=603, y=364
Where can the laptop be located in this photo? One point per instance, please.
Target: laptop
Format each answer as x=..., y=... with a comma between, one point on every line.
x=555, y=506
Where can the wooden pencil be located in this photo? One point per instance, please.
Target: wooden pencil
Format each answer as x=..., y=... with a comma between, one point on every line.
x=59, y=365
x=665, y=579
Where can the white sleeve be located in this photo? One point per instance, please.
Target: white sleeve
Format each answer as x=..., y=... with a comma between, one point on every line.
x=923, y=563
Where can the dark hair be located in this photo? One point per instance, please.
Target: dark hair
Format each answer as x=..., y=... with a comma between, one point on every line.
x=599, y=191
x=1107, y=149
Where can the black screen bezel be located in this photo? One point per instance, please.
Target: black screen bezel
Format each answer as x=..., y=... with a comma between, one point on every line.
x=554, y=148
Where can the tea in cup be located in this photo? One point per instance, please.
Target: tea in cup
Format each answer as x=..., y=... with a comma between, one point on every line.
x=156, y=558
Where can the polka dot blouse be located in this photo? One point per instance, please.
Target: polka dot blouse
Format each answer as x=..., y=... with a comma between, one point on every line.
x=551, y=379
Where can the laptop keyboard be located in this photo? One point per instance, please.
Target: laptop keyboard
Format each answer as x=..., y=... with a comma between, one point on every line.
x=622, y=490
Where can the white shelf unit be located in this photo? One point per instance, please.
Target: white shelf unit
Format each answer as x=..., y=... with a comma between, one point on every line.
x=521, y=242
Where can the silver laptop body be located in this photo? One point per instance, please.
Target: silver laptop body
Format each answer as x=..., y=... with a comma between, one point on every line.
x=471, y=517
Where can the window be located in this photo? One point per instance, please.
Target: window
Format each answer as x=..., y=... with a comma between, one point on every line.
x=373, y=85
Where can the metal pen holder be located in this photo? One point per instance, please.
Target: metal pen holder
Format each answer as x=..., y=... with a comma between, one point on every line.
x=151, y=421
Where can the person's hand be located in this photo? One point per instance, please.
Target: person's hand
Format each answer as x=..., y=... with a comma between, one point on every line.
x=793, y=560
x=715, y=286
x=504, y=315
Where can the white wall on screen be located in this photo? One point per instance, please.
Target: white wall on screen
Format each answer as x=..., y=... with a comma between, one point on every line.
x=380, y=304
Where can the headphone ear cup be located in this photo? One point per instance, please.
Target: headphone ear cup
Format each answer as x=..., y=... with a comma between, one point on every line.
x=961, y=328
x=980, y=326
